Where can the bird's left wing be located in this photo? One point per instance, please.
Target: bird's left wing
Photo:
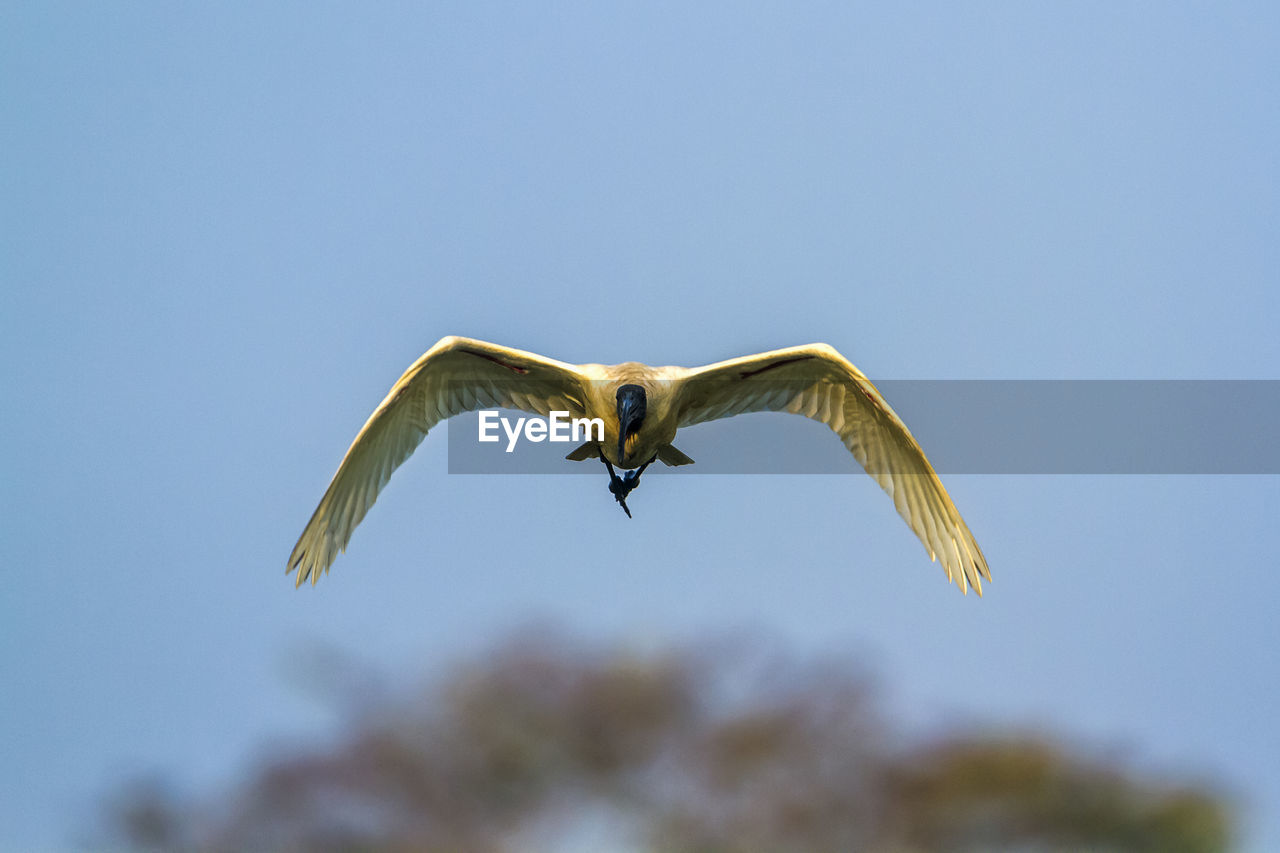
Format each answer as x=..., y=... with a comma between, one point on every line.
x=456, y=375
x=819, y=383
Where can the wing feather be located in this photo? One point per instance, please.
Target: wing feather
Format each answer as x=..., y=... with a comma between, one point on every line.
x=454, y=376
x=819, y=383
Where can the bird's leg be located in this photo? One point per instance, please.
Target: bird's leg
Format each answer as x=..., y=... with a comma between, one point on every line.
x=632, y=478
x=618, y=486
x=622, y=486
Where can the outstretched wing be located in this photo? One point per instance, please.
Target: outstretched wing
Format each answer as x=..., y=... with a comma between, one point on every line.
x=819, y=383
x=456, y=375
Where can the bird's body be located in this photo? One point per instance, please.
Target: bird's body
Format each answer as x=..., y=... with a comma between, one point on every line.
x=642, y=409
x=601, y=384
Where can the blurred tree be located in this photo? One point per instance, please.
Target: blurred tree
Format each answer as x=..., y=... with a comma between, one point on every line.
x=548, y=745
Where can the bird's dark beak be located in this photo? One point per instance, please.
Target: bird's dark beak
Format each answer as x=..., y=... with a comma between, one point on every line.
x=631, y=408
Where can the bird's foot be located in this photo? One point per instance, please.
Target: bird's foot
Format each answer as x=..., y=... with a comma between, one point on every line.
x=622, y=486
x=618, y=486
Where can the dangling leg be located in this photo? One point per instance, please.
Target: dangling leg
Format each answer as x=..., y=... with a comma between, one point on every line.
x=622, y=486
x=632, y=478
x=618, y=486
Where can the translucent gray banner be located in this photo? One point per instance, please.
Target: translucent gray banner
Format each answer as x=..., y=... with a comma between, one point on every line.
x=966, y=427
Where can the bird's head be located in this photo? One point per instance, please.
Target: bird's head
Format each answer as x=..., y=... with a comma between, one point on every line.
x=631, y=407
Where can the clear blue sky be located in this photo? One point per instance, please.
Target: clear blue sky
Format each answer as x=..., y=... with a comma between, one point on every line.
x=228, y=228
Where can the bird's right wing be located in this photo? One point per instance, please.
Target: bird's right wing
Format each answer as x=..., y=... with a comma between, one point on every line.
x=456, y=375
x=819, y=383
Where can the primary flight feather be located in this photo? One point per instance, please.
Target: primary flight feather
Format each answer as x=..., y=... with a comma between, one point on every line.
x=642, y=407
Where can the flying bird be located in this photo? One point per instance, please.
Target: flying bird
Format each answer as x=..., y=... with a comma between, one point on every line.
x=641, y=407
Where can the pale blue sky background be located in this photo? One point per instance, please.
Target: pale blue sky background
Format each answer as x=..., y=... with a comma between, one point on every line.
x=228, y=229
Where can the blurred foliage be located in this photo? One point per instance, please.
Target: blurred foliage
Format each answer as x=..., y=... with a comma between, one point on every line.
x=545, y=744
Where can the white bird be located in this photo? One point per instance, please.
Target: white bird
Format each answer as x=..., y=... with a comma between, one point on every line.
x=642, y=407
